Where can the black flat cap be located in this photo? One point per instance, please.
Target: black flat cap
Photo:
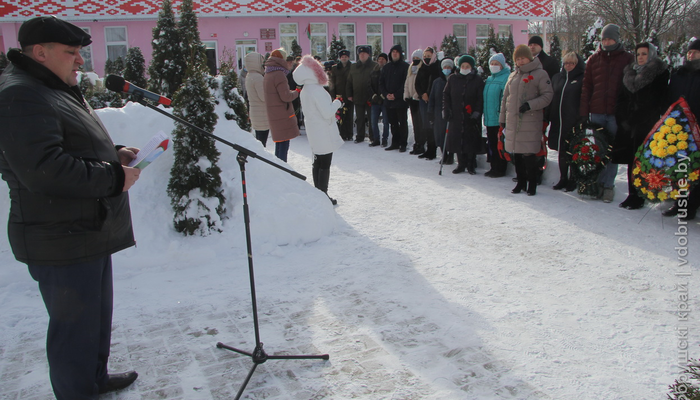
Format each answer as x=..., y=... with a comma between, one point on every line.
x=51, y=30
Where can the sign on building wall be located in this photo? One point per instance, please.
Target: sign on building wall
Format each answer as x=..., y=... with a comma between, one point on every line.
x=268, y=46
x=267, y=34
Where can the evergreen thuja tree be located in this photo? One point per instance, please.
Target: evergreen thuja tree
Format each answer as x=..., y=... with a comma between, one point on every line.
x=167, y=67
x=135, y=67
x=377, y=48
x=591, y=39
x=450, y=46
x=229, y=86
x=555, y=49
x=195, y=188
x=484, y=51
x=195, y=178
x=336, y=46
x=296, y=49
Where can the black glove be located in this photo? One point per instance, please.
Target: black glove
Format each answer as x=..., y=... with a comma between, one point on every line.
x=475, y=115
x=582, y=120
x=525, y=107
x=447, y=114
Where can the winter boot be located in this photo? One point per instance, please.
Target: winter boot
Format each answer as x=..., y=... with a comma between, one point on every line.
x=532, y=171
x=471, y=164
x=521, y=177
x=461, y=163
x=324, y=175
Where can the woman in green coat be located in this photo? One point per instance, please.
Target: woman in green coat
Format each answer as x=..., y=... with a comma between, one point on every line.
x=493, y=94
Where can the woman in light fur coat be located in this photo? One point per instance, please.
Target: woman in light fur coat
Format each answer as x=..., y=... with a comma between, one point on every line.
x=319, y=118
x=640, y=104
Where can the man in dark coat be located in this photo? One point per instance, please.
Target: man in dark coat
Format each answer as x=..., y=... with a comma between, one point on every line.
x=686, y=83
x=377, y=102
x=338, y=84
x=549, y=64
x=69, y=207
x=602, y=82
x=391, y=84
x=358, y=83
x=429, y=71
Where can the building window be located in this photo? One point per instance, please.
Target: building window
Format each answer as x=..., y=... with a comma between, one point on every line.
x=319, y=40
x=504, y=30
x=347, y=35
x=482, y=33
x=86, y=53
x=460, y=32
x=288, y=33
x=374, y=37
x=401, y=36
x=210, y=52
x=115, y=38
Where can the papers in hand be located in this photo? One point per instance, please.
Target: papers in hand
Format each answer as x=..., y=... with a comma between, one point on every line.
x=154, y=148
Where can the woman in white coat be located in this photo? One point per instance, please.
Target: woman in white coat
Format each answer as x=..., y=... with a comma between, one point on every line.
x=319, y=118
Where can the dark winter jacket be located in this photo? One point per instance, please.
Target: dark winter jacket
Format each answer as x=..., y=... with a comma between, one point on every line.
x=641, y=103
x=278, y=99
x=375, y=94
x=425, y=77
x=338, y=82
x=392, y=80
x=464, y=96
x=602, y=81
x=549, y=64
x=358, y=81
x=562, y=112
x=435, y=107
x=62, y=169
x=686, y=82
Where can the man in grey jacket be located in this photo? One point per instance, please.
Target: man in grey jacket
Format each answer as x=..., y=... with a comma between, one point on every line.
x=69, y=207
x=357, y=89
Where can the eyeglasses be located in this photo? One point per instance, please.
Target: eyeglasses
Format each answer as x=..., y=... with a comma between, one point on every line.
x=569, y=63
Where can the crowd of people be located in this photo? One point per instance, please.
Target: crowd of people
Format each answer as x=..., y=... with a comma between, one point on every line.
x=522, y=111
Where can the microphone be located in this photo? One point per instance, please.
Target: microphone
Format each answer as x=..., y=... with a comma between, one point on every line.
x=116, y=83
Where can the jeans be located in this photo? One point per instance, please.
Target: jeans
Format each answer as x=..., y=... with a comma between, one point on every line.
x=281, y=150
x=376, y=110
x=607, y=176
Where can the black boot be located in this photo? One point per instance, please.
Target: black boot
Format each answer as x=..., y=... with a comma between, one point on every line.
x=532, y=171
x=633, y=201
x=461, y=163
x=118, y=381
x=471, y=164
x=449, y=158
x=563, y=183
x=314, y=174
x=324, y=175
x=520, y=174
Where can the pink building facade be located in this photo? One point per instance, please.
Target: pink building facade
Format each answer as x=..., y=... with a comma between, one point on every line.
x=230, y=28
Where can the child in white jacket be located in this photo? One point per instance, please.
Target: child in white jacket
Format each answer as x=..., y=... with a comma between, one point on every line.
x=319, y=119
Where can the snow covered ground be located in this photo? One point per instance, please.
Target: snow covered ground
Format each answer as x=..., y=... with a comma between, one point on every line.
x=418, y=286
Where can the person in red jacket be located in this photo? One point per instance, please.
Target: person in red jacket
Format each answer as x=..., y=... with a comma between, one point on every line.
x=602, y=82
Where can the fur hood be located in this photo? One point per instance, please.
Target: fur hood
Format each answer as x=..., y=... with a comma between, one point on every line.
x=310, y=71
x=634, y=79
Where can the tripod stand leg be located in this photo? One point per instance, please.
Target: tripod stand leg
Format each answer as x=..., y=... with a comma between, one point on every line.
x=245, y=383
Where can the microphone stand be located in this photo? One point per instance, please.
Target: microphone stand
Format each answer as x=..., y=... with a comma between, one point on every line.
x=258, y=355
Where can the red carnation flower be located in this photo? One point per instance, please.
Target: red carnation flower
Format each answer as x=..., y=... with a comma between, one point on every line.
x=585, y=158
x=525, y=80
x=530, y=77
x=595, y=147
x=597, y=159
x=575, y=157
x=585, y=149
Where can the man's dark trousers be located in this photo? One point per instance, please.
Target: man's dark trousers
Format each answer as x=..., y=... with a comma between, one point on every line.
x=78, y=298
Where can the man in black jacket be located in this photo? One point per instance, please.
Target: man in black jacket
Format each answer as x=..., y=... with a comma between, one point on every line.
x=549, y=64
x=391, y=84
x=338, y=85
x=69, y=207
x=358, y=83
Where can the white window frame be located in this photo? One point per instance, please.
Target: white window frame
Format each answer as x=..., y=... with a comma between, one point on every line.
x=314, y=52
x=124, y=42
x=343, y=36
x=482, y=38
x=372, y=36
x=507, y=33
x=395, y=35
x=86, y=53
x=284, y=37
x=463, y=40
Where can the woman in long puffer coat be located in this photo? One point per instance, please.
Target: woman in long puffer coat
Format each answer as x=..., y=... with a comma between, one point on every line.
x=278, y=99
x=527, y=93
x=463, y=105
x=319, y=117
x=256, y=96
x=563, y=113
x=641, y=103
